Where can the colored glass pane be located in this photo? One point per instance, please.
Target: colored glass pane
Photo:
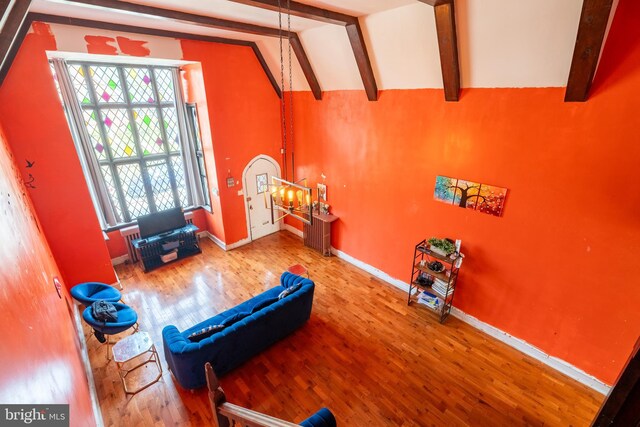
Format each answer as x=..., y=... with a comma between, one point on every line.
x=149, y=131
x=106, y=80
x=171, y=128
x=79, y=83
x=119, y=132
x=164, y=81
x=138, y=83
x=94, y=133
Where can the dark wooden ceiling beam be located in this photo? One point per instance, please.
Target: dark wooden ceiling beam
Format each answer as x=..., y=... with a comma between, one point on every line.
x=351, y=23
x=217, y=23
x=448, y=46
x=354, y=32
x=4, y=5
x=589, y=41
x=87, y=23
x=12, y=33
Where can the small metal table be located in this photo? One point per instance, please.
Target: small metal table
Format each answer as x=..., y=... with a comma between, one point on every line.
x=132, y=347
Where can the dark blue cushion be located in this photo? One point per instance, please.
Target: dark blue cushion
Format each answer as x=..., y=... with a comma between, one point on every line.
x=234, y=318
x=322, y=418
x=291, y=289
x=262, y=304
x=205, y=332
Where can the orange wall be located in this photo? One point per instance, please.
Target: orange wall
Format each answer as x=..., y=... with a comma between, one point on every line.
x=556, y=269
x=40, y=355
x=37, y=131
x=196, y=93
x=244, y=117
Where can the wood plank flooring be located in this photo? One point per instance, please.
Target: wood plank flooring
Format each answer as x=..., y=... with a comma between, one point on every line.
x=365, y=354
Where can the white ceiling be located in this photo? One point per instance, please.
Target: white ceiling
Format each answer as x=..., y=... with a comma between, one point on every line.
x=502, y=43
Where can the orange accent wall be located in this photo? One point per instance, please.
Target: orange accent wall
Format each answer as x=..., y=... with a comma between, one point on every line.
x=558, y=269
x=37, y=131
x=196, y=93
x=40, y=355
x=244, y=119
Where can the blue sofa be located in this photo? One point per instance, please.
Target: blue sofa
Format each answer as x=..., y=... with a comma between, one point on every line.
x=238, y=342
x=322, y=418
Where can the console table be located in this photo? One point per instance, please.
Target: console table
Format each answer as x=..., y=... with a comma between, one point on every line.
x=318, y=235
x=151, y=249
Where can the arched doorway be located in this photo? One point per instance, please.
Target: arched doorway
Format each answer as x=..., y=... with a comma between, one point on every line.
x=255, y=178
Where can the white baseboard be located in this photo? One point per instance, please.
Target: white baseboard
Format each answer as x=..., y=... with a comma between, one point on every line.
x=119, y=260
x=292, y=229
x=222, y=244
x=239, y=243
x=520, y=345
x=530, y=350
x=214, y=239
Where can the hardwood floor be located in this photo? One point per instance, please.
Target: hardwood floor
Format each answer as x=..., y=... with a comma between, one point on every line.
x=365, y=354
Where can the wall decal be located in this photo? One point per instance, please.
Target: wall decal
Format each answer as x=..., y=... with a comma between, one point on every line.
x=30, y=164
x=29, y=183
x=485, y=198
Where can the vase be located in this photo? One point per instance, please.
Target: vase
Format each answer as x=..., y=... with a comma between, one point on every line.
x=437, y=250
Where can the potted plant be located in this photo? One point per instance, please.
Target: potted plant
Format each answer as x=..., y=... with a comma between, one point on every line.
x=441, y=246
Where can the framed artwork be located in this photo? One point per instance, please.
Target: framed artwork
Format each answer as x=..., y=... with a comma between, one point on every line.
x=322, y=192
x=485, y=198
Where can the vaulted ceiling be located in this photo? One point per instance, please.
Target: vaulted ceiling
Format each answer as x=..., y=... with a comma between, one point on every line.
x=500, y=43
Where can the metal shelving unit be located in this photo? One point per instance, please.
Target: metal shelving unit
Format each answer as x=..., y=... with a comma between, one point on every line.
x=449, y=275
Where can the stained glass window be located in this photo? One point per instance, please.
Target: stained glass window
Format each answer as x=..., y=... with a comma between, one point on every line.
x=261, y=183
x=106, y=83
x=129, y=113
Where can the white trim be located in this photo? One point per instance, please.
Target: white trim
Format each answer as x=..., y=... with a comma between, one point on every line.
x=214, y=239
x=517, y=343
x=120, y=259
x=222, y=244
x=239, y=243
x=530, y=350
x=244, y=191
x=292, y=229
x=84, y=355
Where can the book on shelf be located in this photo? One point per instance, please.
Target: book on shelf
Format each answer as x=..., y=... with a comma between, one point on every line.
x=442, y=288
x=429, y=300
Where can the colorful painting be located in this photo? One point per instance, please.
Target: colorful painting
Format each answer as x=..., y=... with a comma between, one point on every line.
x=485, y=198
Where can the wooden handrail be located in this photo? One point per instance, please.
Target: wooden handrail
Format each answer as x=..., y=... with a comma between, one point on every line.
x=227, y=414
x=248, y=418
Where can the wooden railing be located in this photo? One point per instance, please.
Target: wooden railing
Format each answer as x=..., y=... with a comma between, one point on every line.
x=230, y=415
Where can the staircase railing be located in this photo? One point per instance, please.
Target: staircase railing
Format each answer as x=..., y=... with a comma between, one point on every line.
x=229, y=415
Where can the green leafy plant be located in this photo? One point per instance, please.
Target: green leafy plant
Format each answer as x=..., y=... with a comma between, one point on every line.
x=442, y=244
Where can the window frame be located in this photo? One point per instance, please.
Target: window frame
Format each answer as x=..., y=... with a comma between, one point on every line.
x=143, y=162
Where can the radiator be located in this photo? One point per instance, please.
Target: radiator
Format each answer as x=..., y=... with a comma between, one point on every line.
x=318, y=235
x=132, y=233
